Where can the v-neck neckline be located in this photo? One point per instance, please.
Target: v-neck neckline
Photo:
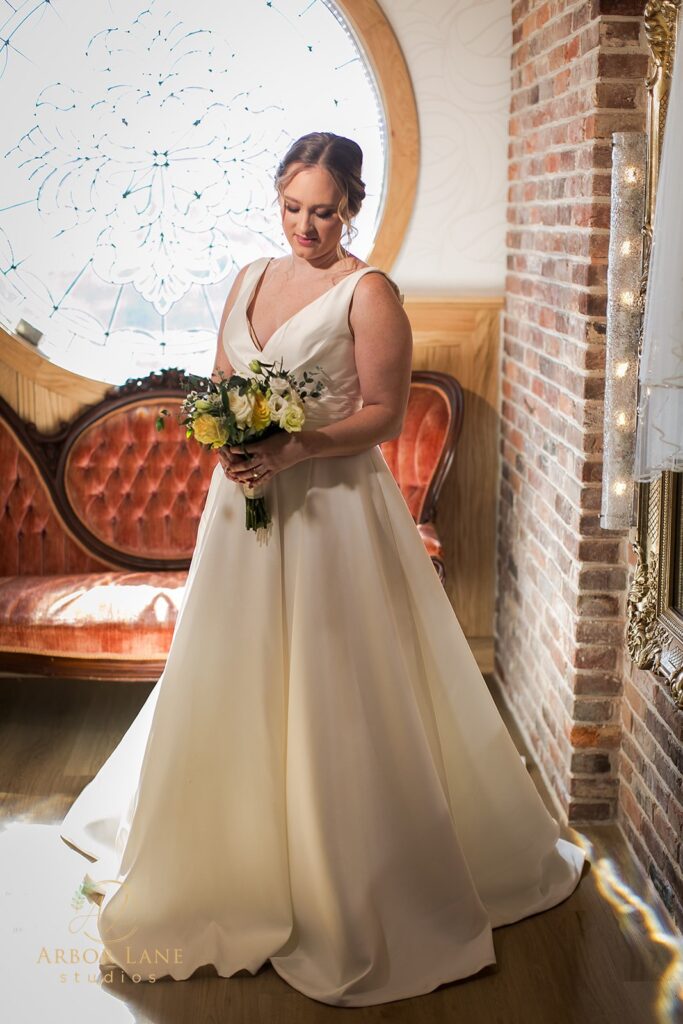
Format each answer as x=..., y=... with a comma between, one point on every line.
x=252, y=333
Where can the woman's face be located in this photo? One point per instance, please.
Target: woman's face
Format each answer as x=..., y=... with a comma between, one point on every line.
x=310, y=220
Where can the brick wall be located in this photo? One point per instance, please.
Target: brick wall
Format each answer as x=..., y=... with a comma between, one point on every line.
x=607, y=737
x=578, y=71
x=651, y=775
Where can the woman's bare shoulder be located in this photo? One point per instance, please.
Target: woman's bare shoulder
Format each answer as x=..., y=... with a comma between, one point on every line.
x=378, y=286
x=377, y=305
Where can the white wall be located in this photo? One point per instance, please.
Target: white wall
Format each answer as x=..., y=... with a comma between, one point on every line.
x=458, y=55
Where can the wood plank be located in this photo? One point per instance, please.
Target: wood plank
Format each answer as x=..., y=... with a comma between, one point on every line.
x=591, y=959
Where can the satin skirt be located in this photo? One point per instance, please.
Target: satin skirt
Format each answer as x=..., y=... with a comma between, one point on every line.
x=320, y=777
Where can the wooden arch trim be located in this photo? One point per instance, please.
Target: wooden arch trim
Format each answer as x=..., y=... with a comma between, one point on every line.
x=381, y=49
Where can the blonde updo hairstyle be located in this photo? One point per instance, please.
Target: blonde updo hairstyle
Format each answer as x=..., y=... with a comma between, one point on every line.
x=342, y=158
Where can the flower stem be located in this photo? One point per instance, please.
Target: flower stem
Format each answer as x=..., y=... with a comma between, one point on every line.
x=256, y=513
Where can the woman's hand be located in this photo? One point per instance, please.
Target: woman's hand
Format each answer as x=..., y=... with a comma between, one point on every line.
x=269, y=456
x=229, y=461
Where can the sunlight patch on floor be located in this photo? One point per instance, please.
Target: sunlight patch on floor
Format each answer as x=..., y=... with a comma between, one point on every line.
x=640, y=921
x=48, y=936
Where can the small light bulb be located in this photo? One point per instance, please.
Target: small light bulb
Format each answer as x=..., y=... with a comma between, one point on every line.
x=621, y=419
x=620, y=487
x=621, y=369
x=626, y=247
x=627, y=298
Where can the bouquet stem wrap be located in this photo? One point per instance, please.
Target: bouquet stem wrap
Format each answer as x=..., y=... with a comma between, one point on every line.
x=256, y=511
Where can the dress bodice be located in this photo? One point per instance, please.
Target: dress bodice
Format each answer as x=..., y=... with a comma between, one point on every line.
x=318, y=335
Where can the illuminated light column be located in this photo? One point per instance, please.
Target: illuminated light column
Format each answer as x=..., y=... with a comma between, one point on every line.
x=624, y=314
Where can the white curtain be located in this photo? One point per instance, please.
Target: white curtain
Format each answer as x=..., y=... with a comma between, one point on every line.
x=659, y=433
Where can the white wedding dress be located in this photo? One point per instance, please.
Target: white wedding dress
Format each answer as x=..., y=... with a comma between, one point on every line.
x=320, y=777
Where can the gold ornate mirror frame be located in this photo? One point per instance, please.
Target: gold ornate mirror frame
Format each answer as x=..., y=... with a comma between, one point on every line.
x=655, y=615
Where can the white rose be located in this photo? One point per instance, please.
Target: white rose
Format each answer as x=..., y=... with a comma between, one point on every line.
x=278, y=385
x=277, y=405
x=240, y=406
x=292, y=417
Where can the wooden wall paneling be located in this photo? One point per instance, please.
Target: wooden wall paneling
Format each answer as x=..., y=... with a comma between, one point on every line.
x=461, y=336
x=39, y=390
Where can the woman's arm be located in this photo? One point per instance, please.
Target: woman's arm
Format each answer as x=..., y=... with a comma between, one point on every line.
x=383, y=346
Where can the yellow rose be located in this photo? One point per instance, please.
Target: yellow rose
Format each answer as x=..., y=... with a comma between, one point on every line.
x=210, y=429
x=260, y=411
x=293, y=417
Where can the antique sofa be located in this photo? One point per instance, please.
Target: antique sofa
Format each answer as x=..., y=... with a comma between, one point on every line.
x=100, y=519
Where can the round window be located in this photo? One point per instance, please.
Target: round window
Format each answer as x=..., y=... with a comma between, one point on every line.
x=139, y=148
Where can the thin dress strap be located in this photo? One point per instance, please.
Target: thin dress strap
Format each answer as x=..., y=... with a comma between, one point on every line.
x=254, y=270
x=377, y=270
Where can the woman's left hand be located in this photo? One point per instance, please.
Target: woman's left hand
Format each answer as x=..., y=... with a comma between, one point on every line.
x=269, y=456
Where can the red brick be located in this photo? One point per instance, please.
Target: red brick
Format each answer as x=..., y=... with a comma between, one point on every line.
x=621, y=95
x=622, y=8
x=593, y=710
x=602, y=737
x=587, y=812
x=622, y=65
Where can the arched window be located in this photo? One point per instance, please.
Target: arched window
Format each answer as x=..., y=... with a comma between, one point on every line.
x=139, y=145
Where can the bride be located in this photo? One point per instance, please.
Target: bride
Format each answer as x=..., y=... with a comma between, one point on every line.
x=320, y=778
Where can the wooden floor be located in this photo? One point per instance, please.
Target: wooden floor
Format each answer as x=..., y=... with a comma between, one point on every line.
x=607, y=954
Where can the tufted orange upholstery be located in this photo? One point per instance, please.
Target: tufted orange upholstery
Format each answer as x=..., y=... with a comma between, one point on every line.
x=32, y=536
x=140, y=491
x=106, y=614
x=99, y=523
x=414, y=455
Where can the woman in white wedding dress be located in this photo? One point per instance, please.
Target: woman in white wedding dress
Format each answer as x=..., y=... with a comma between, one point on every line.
x=320, y=777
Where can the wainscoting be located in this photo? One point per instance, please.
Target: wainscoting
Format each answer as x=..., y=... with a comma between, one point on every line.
x=461, y=337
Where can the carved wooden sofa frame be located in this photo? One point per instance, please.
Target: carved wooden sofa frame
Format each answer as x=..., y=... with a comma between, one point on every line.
x=100, y=520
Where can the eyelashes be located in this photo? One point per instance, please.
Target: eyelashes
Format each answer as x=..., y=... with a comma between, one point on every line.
x=322, y=216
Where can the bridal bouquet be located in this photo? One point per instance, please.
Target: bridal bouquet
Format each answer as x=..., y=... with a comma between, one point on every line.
x=234, y=410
